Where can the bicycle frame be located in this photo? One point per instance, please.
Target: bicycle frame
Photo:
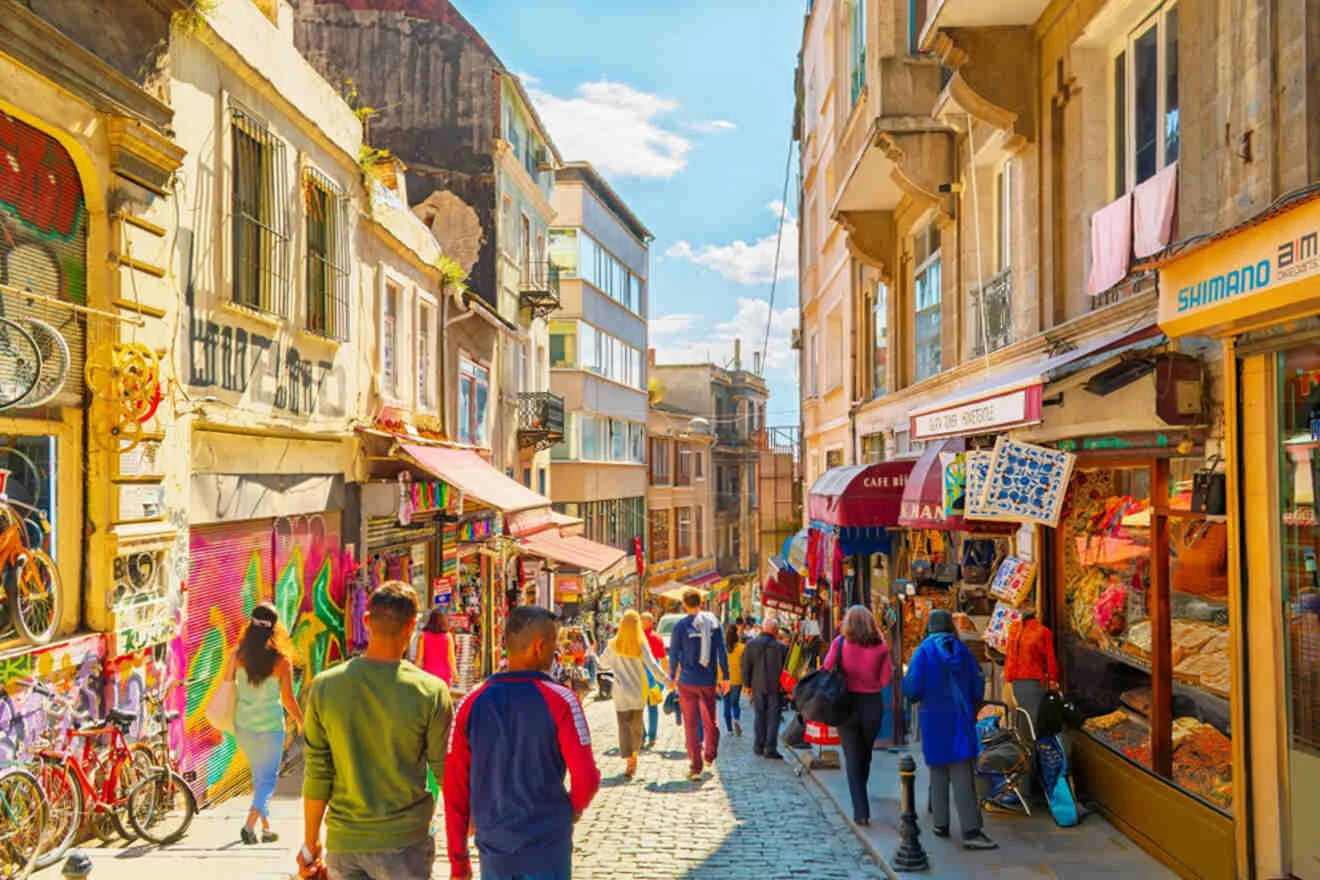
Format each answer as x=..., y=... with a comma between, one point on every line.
x=77, y=766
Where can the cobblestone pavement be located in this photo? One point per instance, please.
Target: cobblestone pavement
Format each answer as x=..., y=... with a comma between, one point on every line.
x=750, y=819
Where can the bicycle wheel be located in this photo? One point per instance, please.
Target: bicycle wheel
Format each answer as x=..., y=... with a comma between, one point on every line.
x=20, y=363
x=139, y=765
x=36, y=598
x=22, y=822
x=64, y=810
x=55, y=361
x=162, y=807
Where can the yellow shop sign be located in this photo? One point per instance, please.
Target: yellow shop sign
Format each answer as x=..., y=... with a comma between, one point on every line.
x=1270, y=268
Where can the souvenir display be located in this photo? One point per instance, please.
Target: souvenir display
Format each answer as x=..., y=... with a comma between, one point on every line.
x=1014, y=581
x=955, y=482
x=1027, y=483
x=976, y=467
x=996, y=632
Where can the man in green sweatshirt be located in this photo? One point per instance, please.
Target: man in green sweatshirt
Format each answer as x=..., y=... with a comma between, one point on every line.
x=373, y=726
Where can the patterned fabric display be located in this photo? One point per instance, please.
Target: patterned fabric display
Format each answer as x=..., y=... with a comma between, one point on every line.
x=1001, y=621
x=977, y=466
x=1027, y=483
x=1014, y=580
x=955, y=482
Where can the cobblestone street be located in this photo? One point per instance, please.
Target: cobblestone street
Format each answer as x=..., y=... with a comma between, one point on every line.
x=750, y=818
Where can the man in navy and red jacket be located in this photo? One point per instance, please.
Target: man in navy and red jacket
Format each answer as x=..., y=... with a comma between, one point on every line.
x=513, y=739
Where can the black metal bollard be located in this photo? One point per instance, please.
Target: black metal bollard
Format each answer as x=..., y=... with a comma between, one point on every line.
x=910, y=856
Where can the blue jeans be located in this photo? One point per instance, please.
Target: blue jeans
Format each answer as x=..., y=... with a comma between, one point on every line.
x=733, y=706
x=564, y=872
x=263, y=751
x=652, y=723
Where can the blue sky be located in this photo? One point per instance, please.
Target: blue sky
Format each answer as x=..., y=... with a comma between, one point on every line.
x=686, y=108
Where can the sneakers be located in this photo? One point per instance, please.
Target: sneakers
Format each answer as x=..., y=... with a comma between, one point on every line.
x=940, y=830
x=774, y=756
x=737, y=728
x=247, y=835
x=269, y=837
x=978, y=840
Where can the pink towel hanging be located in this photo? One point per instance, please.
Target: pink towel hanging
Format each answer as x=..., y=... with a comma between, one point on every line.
x=1153, y=205
x=1111, y=245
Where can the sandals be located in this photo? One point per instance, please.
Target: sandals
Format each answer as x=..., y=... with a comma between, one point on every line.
x=247, y=835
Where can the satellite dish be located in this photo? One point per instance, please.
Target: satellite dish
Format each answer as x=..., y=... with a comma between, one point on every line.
x=699, y=425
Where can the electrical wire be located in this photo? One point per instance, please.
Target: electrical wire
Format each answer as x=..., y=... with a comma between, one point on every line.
x=779, y=241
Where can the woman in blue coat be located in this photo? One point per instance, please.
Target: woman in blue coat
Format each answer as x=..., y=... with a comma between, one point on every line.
x=947, y=682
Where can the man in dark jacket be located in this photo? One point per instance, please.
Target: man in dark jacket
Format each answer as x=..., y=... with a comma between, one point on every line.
x=762, y=662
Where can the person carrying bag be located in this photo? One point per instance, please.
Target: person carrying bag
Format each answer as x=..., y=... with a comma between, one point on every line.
x=822, y=696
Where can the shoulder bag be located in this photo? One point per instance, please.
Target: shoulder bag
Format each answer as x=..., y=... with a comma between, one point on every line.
x=823, y=695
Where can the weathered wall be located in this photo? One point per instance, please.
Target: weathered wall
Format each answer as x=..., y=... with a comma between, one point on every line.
x=432, y=81
x=132, y=37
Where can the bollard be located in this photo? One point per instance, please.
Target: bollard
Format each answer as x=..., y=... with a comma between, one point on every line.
x=910, y=856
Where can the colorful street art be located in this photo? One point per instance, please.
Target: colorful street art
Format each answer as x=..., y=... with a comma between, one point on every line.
x=294, y=563
x=77, y=670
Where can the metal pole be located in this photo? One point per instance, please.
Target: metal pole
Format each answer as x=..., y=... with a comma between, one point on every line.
x=910, y=856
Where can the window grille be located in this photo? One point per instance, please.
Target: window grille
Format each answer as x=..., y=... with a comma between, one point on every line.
x=261, y=234
x=327, y=256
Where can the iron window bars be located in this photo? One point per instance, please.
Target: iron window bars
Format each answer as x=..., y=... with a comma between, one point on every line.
x=261, y=279
x=327, y=256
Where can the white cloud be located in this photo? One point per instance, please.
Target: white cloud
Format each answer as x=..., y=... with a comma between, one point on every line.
x=615, y=127
x=678, y=338
x=748, y=264
x=714, y=126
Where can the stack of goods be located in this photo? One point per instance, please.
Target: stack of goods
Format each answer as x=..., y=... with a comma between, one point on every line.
x=1203, y=657
x=915, y=611
x=465, y=655
x=1202, y=755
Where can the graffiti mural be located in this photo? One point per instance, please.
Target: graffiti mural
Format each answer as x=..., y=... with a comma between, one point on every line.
x=294, y=563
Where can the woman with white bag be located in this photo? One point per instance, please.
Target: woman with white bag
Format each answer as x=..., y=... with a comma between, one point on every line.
x=259, y=682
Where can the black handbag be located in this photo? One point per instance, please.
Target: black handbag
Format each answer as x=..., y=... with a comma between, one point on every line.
x=822, y=696
x=1209, y=493
x=946, y=573
x=922, y=571
x=978, y=561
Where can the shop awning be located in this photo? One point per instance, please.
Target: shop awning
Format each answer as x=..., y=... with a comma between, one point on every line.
x=705, y=581
x=923, y=498
x=575, y=550
x=475, y=476
x=1012, y=398
x=783, y=592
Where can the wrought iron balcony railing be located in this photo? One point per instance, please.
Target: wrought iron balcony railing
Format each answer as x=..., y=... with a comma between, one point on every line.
x=539, y=288
x=540, y=419
x=992, y=308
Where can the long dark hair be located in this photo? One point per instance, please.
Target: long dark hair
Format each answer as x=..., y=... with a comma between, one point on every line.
x=264, y=642
x=437, y=621
x=731, y=638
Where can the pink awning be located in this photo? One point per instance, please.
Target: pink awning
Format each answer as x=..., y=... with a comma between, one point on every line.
x=472, y=474
x=576, y=550
x=705, y=580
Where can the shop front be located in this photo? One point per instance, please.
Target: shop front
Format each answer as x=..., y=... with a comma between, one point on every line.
x=1255, y=289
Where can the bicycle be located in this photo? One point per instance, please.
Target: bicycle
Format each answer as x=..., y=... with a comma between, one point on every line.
x=73, y=782
x=162, y=806
x=33, y=590
x=23, y=813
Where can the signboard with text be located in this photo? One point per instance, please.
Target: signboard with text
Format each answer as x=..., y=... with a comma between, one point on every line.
x=992, y=413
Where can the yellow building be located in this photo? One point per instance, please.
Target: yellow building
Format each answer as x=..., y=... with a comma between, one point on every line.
x=680, y=502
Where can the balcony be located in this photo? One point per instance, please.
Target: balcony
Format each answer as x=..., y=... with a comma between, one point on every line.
x=992, y=311
x=540, y=419
x=1137, y=282
x=538, y=288
x=980, y=14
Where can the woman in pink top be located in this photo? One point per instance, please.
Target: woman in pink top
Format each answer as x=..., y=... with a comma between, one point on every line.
x=867, y=670
x=435, y=651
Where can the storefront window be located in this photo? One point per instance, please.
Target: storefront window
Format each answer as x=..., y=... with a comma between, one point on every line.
x=31, y=465
x=1113, y=635
x=1299, y=473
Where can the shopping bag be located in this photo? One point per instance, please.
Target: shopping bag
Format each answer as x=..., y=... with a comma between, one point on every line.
x=823, y=695
x=220, y=710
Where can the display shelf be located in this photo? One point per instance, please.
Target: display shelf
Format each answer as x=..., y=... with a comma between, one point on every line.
x=1214, y=702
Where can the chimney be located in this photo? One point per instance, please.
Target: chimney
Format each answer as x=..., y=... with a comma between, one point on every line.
x=737, y=354
x=650, y=357
x=756, y=361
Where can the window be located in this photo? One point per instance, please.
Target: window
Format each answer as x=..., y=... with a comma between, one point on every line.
x=525, y=248
x=916, y=21
x=1004, y=217
x=391, y=296
x=813, y=366
x=260, y=222
x=542, y=480
x=426, y=340
x=926, y=284
x=659, y=461
x=527, y=477
x=699, y=463
x=579, y=255
x=880, y=323
x=473, y=395
x=873, y=448
x=833, y=458
x=566, y=449
x=637, y=443
x=683, y=475
x=1146, y=123
x=618, y=440
x=593, y=444
x=659, y=535
x=683, y=532
x=857, y=48
x=578, y=344
x=564, y=251
x=563, y=344
x=698, y=537
x=327, y=256
x=834, y=367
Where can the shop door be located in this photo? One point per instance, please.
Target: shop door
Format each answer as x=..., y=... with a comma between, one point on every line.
x=230, y=572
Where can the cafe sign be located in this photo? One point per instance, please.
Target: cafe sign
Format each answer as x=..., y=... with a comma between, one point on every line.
x=1243, y=276
x=992, y=413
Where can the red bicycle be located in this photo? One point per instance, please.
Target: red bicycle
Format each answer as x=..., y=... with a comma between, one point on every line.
x=86, y=782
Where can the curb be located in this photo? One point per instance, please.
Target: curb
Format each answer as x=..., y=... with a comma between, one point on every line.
x=804, y=771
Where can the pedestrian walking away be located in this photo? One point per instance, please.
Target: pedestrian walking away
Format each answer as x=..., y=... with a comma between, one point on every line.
x=731, y=685
x=696, y=651
x=435, y=655
x=947, y=682
x=864, y=657
x=762, y=662
x=262, y=673
x=657, y=646
x=514, y=738
x=375, y=725
x=629, y=657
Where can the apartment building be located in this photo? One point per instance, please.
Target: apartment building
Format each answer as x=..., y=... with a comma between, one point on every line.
x=600, y=252
x=680, y=522
x=994, y=196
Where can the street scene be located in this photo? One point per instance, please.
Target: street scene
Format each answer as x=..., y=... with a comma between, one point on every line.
x=818, y=438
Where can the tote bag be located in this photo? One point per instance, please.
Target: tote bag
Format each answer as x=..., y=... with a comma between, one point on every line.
x=220, y=710
x=823, y=696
